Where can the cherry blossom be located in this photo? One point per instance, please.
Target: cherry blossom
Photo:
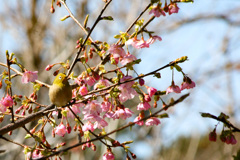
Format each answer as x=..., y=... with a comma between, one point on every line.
x=127, y=92
x=173, y=88
x=128, y=58
x=157, y=11
x=7, y=101
x=122, y=113
x=88, y=126
x=143, y=106
x=173, y=8
x=60, y=130
x=151, y=91
x=29, y=76
x=152, y=121
x=108, y=156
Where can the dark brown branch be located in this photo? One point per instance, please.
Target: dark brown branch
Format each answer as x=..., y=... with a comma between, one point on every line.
x=22, y=122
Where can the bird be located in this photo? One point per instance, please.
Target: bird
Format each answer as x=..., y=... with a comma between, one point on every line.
x=60, y=92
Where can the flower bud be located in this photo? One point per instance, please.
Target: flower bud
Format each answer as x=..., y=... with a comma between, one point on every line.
x=49, y=67
x=141, y=82
x=52, y=10
x=213, y=136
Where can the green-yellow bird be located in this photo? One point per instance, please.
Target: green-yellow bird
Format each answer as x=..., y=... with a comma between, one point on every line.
x=60, y=92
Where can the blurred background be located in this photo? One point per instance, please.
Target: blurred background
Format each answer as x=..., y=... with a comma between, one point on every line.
x=207, y=31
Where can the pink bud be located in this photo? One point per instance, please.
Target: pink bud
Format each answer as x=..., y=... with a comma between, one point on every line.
x=213, y=136
x=141, y=82
x=49, y=67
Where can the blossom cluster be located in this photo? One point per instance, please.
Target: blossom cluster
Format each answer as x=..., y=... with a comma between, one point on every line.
x=157, y=10
x=226, y=137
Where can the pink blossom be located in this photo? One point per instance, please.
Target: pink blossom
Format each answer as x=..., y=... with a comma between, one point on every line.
x=29, y=76
x=109, y=114
x=136, y=43
x=34, y=155
x=117, y=51
x=80, y=80
x=213, y=136
x=2, y=107
x=100, y=123
x=173, y=88
x=147, y=98
x=97, y=120
x=7, y=101
x=152, y=121
x=128, y=58
x=231, y=139
x=60, y=130
x=151, y=91
x=157, y=11
x=83, y=90
x=142, y=44
x=88, y=126
x=136, y=120
x=90, y=80
x=101, y=84
x=108, y=156
x=187, y=83
x=172, y=8
x=127, y=92
x=133, y=41
x=93, y=107
x=122, y=113
x=152, y=39
x=143, y=106
x=105, y=106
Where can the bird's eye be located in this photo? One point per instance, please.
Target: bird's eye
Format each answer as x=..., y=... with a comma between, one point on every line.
x=60, y=77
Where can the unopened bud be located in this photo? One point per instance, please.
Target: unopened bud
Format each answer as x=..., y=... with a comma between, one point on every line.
x=49, y=67
x=52, y=10
x=84, y=146
x=10, y=133
x=58, y=3
x=93, y=147
x=56, y=73
x=141, y=82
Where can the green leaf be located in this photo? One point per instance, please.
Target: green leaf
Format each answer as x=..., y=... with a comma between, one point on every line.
x=164, y=115
x=40, y=121
x=36, y=86
x=117, y=36
x=208, y=115
x=109, y=18
x=178, y=68
x=127, y=142
x=27, y=136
